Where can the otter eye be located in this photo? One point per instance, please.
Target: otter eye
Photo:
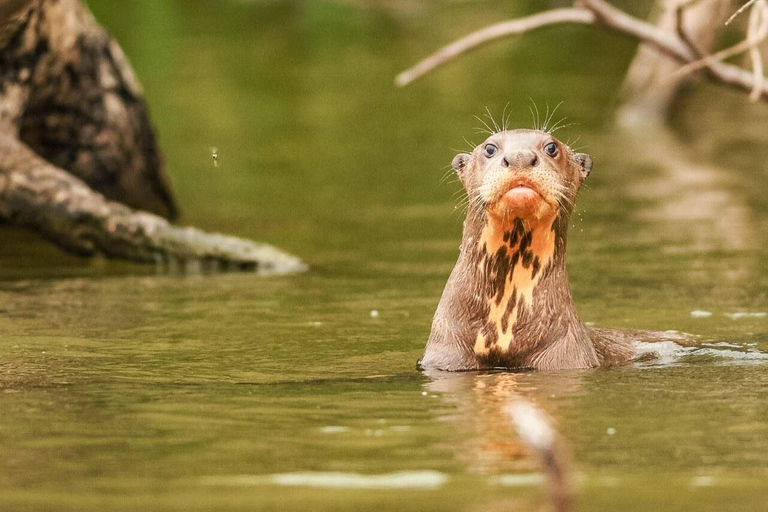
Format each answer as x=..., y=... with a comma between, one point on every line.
x=551, y=149
x=490, y=150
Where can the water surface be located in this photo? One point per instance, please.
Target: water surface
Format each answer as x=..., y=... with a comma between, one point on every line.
x=121, y=389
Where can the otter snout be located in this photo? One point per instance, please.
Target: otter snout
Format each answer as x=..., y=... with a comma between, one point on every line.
x=522, y=174
x=520, y=158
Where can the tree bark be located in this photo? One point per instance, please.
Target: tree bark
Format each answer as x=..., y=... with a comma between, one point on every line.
x=78, y=154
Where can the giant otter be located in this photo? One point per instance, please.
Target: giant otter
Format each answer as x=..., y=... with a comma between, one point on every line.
x=507, y=303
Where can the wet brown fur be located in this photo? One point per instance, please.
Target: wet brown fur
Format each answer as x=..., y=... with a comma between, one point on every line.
x=507, y=303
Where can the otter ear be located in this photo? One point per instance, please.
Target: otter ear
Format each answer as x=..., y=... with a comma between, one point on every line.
x=459, y=164
x=585, y=164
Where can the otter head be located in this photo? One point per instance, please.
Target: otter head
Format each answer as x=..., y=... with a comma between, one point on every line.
x=522, y=174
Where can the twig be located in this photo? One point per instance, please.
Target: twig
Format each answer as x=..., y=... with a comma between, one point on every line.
x=491, y=33
x=619, y=21
x=598, y=13
x=741, y=10
x=755, y=37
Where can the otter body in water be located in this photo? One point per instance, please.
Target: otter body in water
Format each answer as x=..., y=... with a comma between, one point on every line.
x=507, y=303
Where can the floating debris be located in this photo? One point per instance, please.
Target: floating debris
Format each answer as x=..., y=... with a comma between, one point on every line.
x=336, y=480
x=519, y=480
x=743, y=314
x=702, y=481
x=334, y=429
x=215, y=156
x=374, y=313
x=698, y=313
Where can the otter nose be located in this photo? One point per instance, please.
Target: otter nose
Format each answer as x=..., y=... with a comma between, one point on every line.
x=520, y=159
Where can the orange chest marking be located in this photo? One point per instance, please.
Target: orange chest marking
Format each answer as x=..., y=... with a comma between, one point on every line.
x=511, y=265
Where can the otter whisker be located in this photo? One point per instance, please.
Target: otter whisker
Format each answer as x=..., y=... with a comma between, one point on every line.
x=461, y=196
x=461, y=208
x=493, y=121
x=563, y=199
x=448, y=171
x=488, y=128
x=473, y=208
x=558, y=126
x=574, y=141
x=448, y=175
x=550, y=116
x=463, y=201
x=563, y=203
x=536, y=126
x=477, y=204
x=459, y=193
x=533, y=117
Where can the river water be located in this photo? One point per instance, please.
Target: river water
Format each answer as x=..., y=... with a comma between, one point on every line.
x=122, y=388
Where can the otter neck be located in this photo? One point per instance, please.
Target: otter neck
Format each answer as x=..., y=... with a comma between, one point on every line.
x=521, y=290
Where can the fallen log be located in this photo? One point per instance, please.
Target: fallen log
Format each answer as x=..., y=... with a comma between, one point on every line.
x=79, y=162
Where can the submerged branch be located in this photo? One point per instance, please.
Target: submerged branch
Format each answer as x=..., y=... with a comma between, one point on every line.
x=536, y=430
x=40, y=196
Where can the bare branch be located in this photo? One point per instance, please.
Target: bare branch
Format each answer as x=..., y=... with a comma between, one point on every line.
x=537, y=431
x=598, y=13
x=680, y=11
x=756, y=37
x=670, y=44
x=492, y=33
x=741, y=10
x=619, y=21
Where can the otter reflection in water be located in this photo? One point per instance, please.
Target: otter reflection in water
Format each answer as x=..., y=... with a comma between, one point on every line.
x=507, y=303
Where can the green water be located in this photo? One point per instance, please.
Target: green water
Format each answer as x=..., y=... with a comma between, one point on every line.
x=121, y=389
